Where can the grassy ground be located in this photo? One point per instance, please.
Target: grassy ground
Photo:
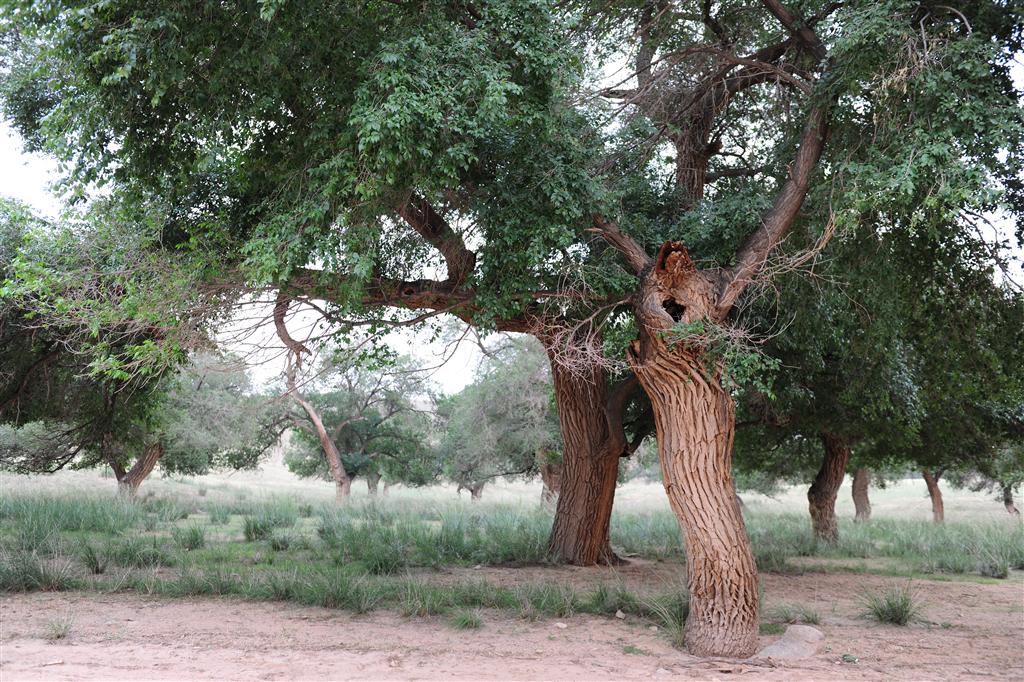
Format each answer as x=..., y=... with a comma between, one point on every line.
x=231, y=536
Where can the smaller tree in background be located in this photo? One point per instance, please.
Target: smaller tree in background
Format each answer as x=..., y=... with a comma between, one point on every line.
x=377, y=418
x=504, y=424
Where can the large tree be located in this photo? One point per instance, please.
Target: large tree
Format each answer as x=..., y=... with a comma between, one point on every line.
x=378, y=142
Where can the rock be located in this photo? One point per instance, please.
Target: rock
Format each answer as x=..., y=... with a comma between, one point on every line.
x=799, y=641
x=561, y=626
x=620, y=615
x=653, y=628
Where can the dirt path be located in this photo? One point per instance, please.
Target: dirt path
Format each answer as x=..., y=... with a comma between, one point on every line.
x=975, y=631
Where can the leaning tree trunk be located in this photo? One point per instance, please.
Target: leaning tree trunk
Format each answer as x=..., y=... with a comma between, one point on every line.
x=932, y=481
x=861, y=502
x=696, y=419
x=821, y=496
x=1011, y=508
x=372, y=481
x=128, y=482
x=551, y=478
x=580, y=532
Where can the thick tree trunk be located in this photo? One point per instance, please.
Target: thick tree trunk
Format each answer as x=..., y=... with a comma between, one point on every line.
x=821, y=496
x=932, y=481
x=372, y=481
x=861, y=501
x=1011, y=508
x=476, y=492
x=551, y=477
x=128, y=482
x=387, y=487
x=579, y=534
x=695, y=418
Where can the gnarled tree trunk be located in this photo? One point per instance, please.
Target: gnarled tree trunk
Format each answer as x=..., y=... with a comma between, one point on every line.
x=932, y=481
x=551, y=478
x=821, y=496
x=696, y=421
x=1011, y=508
x=695, y=418
x=861, y=501
x=128, y=482
x=372, y=481
x=579, y=534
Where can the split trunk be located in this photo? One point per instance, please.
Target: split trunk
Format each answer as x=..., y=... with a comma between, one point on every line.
x=128, y=482
x=695, y=419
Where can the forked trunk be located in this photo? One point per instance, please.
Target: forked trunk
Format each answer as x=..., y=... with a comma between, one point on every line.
x=128, y=482
x=695, y=418
x=932, y=481
x=579, y=534
x=861, y=502
x=821, y=496
x=476, y=492
x=1011, y=508
x=372, y=482
x=551, y=477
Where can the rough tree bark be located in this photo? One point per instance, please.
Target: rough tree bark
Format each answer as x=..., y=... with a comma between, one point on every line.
x=593, y=441
x=476, y=492
x=1011, y=508
x=861, y=501
x=931, y=479
x=821, y=496
x=551, y=478
x=128, y=482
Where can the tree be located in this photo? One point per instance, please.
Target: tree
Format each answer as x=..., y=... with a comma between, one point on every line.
x=504, y=423
x=377, y=417
x=78, y=389
x=376, y=141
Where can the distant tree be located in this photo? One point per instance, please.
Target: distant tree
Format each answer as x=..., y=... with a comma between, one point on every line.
x=504, y=424
x=377, y=416
x=85, y=381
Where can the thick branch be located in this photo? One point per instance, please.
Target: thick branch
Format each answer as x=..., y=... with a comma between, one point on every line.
x=780, y=217
x=430, y=225
x=636, y=257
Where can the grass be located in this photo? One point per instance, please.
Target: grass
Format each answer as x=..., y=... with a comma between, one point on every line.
x=385, y=554
x=466, y=620
x=895, y=605
x=59, y=628
x=190, y=538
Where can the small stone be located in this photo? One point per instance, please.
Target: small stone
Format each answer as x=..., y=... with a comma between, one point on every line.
x=620, y=615
x=561, y=626
x=653, y=628
x=478, y=567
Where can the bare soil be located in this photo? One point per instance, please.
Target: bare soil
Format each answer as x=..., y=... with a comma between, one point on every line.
x=972, y=630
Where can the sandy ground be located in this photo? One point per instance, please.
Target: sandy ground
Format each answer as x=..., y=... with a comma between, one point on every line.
x=972, y=630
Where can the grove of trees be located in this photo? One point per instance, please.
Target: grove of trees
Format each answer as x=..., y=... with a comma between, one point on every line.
x=729, y=223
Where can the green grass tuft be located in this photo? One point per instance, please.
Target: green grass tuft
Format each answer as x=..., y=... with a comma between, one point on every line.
x=896, y=605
